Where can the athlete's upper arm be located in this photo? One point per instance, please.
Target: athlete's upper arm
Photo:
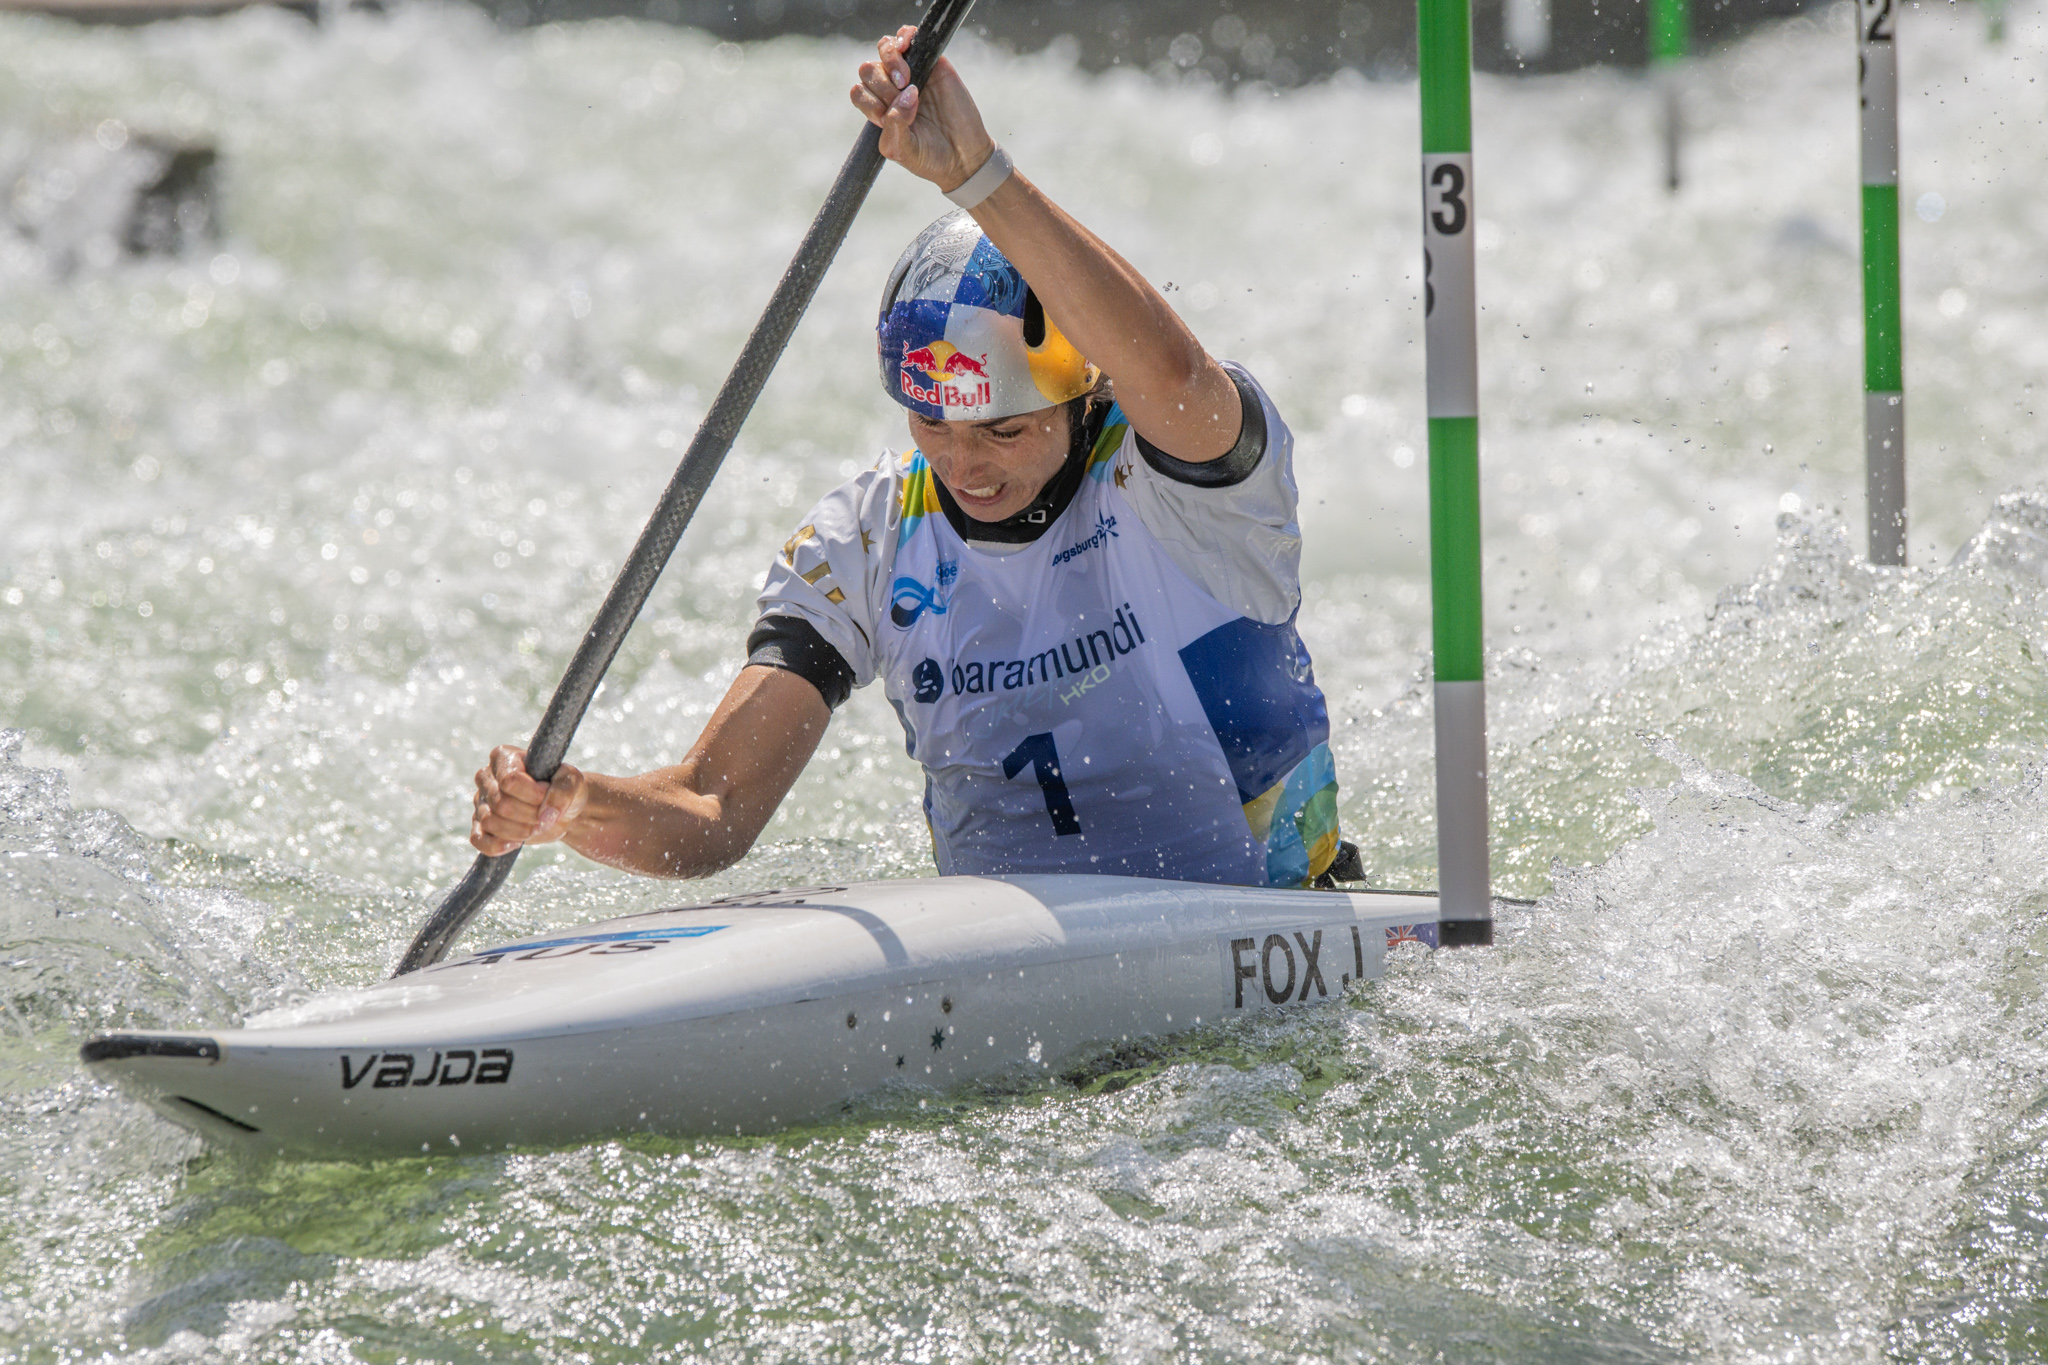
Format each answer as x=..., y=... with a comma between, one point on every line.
x=1231, y=525
x=1229, y=467
x=1194, y=422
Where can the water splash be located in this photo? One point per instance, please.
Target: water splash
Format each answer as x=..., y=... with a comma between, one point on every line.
x=1826, y=680
x=316, y=517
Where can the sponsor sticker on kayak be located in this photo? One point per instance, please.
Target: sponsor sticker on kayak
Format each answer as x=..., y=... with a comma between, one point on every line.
x=612, y=944
x=410, y=1070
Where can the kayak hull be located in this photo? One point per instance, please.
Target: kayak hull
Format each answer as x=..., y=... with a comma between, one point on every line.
x=754, y=1013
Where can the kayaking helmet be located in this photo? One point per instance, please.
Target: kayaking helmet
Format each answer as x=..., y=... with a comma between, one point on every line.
x=962, y=338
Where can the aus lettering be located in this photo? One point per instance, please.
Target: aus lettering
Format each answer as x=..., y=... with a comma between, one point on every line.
x=546, y=951
x=403, y=1070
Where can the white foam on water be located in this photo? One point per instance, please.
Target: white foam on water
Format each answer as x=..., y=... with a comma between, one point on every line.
x=296, y=529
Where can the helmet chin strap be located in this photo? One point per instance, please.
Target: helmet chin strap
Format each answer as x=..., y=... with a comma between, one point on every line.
x=1052, y=498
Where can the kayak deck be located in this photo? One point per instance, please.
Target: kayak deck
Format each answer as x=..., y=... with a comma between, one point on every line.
x=755, y=1012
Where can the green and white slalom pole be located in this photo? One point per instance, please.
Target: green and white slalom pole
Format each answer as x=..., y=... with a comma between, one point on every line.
x=1670, y=43
x=1884, y=361
x=1450, y=333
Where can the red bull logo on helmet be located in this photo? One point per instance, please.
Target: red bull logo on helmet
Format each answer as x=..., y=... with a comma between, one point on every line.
x=956, y=379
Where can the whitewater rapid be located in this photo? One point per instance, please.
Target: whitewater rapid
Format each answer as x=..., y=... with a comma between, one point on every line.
x=294, y=527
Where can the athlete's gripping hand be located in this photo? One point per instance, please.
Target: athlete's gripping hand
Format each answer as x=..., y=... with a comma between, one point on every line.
x=513, y=808
x=934, y=132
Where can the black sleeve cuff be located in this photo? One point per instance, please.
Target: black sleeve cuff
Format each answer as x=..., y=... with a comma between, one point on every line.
x=1236, y=464
x=794, y=645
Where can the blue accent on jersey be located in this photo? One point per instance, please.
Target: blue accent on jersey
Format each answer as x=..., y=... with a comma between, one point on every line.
x=1259, y=691
x=1288, y=856
x=1102, y=459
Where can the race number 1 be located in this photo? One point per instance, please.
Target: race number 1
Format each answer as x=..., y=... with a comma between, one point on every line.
x=1042, y=756
x=1448, y=307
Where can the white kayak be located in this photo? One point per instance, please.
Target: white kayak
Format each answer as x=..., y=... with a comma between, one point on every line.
x=752, y=1013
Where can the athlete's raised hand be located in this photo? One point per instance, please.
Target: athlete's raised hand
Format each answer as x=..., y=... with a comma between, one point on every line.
x=1175, y=393
x=934, y=132
x=514, y=808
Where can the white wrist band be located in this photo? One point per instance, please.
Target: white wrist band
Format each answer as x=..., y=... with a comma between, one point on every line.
x=983, y=182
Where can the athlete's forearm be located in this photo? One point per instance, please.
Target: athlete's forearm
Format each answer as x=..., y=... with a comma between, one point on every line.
x=703, y=814
x=1172, y=389
x=658, y=825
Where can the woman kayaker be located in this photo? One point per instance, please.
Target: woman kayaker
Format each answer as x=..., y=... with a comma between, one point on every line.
x=1078, y=591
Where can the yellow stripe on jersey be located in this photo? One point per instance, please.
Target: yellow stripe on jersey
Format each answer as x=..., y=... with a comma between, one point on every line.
x=920, y=498
x=1108, y=443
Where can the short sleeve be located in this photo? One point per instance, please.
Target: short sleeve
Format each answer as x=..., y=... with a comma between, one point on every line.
x=1233, y=531
x=830, y=572
x=793, y=645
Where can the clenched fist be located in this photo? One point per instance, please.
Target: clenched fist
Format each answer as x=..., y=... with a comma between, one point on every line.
x=513, y=808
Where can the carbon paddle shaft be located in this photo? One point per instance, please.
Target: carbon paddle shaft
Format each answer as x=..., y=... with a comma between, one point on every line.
x=679, y=501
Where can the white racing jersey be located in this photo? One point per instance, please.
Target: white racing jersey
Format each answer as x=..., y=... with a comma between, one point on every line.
x=1126, y=694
